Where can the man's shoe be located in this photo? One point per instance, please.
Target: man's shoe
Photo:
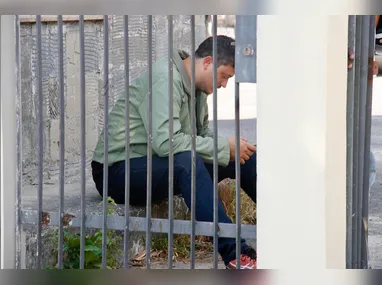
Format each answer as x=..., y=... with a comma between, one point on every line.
x=245, y=263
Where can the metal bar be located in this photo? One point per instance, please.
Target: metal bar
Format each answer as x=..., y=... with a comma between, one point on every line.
x=138, y=224
x=62, y=140
x=49, y=19
x=366, y=174
x=83, y=140
x=106, y=130
x=171, y=150
x=149, y=139
x=40, y=149
x=215, y=133
x=349, y=145
x=2, y=238
x=361, y=153
x=357, y=71
x=246, y=48
x=19, y=162
x=8, y=142
x=193, y=144
x=237, y=170
x=127, y=145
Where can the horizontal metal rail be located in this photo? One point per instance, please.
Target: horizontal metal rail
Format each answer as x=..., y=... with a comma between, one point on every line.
x=137, y=224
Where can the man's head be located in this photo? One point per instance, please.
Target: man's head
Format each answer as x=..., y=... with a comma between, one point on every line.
x=204, y=63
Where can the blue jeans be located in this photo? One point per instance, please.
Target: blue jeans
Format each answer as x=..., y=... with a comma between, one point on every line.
x=182, y=186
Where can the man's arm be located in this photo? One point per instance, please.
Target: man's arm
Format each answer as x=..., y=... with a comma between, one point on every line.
x=206, y=131
x=181, y=141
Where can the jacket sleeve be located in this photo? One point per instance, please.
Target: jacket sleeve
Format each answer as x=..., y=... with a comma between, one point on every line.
x=181, y=141
x=205, y=130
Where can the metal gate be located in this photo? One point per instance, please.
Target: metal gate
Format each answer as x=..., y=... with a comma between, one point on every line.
x=359, y=101
x=13, y=240
x=361, y=40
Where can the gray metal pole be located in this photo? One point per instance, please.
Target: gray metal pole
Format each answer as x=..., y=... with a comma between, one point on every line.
x=362, y=132
x=18, y=145
x=127, y=144
x=215, y=134
x=349, y=148
x=106, y=139
x=8, y=141
x=366, y=174
x=149, y=139
x=62, y=142
x=357, y=71
x=40, y=149
x=83, y=140
x=171, y=137
x=237, y=173
x=193, y=144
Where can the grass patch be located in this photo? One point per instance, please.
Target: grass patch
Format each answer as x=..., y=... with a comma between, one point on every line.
x=227, y=195
x=203, y=246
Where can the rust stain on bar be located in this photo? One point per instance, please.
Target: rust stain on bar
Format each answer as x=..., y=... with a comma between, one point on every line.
x=45, y=218
x=67, y=219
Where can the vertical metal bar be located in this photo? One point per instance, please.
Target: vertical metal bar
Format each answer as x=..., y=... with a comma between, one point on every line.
x=2, y=41
x=19, y=162
x=171, y=150
x=349, y=148
x=83, y=141
x=149, y=139
x=237, y=168
x=193, y=143
x=62, y=140
x=106, y=130
x=8, y=142
x=127, y=145
x=40, y=149
x=1, y=144
x=361, y=157
x=215, y=133
x=366, y=174
x=357, y=71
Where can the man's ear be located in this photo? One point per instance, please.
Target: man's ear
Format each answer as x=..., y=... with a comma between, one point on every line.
x=207, y=61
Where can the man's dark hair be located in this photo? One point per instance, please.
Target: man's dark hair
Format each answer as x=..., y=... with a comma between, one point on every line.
x=225, y=50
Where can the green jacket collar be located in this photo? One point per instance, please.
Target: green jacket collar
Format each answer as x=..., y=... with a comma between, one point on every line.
x=178, y=60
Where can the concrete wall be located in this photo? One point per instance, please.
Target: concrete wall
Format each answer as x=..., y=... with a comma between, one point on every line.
x=94, y=83
x=301, y=131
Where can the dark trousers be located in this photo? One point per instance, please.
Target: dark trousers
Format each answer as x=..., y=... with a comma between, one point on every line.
x=182, y=186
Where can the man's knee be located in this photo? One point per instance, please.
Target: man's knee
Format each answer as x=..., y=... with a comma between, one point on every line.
x=249, y=168
x=251, y=162
x=184, y=160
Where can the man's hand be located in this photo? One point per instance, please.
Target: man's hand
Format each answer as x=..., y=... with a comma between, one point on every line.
x=246, y=149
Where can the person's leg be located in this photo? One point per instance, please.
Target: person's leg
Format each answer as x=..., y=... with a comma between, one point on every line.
x=204, y=198
x=182, y=185
x=138, y=180
x=248, y=175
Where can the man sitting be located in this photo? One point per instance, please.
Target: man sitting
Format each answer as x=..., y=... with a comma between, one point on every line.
x=138, y=109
